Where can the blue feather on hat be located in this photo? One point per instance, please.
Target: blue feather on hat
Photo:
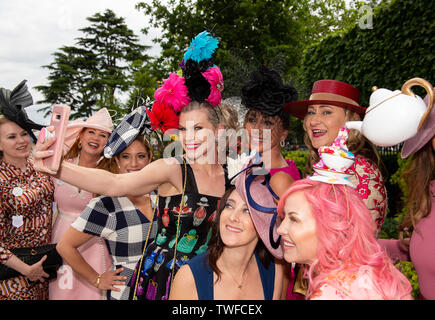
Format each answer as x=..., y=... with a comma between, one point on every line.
x=202, y=47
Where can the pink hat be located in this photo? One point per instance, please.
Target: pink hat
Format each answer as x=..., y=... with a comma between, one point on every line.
x=252, y=187
x=100, y=120
x=426, y=133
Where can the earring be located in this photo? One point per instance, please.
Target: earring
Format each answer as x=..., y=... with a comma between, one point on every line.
x=79, y=145
x=282, y=143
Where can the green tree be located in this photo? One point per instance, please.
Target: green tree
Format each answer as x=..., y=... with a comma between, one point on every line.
x=269, y=32
x=88, y=76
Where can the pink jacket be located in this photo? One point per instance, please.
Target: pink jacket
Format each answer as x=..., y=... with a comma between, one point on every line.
x=421, y=251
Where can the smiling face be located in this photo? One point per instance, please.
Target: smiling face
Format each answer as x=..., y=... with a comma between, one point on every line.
x=15, y=142
x=133, y=158
x=298, y=230
x=197, y=134
x=235, y=223
x=259, y=126
x=93, y=141
x=322, y=124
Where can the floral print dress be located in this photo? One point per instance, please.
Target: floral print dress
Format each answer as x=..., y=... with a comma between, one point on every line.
x=371, y=188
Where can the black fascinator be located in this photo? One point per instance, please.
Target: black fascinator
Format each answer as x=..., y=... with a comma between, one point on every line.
x=266, y=92
x=197, y=85
x=12, y=105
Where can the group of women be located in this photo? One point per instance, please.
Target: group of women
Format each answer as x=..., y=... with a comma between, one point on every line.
x=131, y=227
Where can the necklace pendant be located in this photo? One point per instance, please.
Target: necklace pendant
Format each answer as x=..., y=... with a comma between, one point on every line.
x=240, y=286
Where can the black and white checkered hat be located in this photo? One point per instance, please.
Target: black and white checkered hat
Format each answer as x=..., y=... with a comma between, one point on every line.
x=132, y=125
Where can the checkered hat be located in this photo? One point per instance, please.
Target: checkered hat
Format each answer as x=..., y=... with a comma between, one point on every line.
x=132, y=125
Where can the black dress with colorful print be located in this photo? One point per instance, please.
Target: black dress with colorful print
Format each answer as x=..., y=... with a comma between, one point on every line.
x=194, y=232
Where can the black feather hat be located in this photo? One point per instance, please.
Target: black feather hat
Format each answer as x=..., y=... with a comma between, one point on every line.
x=266, y=92
x=12, y=105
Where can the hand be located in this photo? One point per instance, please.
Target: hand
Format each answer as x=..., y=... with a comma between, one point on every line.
x=40, y=152
x=36, y=272
x=109, y=279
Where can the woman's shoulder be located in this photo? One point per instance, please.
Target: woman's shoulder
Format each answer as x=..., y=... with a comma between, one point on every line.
x=199, y=260
x=110, y=205
x=364, y=165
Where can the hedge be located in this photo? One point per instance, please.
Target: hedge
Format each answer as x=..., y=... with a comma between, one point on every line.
x=400, y=46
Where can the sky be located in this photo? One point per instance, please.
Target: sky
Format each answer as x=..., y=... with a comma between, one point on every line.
x=32, y=30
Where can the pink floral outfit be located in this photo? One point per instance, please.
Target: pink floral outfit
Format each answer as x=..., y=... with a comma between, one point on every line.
x=350, y=284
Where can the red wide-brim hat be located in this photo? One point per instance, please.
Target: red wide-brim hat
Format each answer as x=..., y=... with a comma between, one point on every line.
x=332, y=92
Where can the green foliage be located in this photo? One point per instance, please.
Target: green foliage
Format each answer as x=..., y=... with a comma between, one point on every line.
x=87, y=76
x=407, y=268
x=400, y=46
x=397, y=179
x=300, y=157
x=251, y=33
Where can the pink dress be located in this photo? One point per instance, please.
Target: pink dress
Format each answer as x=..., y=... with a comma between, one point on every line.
x=291, y=170
x=421, y=251
x=350, y=284
x=69, y=285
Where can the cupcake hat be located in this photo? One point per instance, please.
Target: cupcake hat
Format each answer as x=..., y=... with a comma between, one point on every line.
x=199, y=80
x=335, y=161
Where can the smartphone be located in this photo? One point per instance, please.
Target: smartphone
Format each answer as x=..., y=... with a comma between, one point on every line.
x=59, y=120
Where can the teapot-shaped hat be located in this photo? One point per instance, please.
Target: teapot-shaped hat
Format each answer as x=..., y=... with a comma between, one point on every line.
x=394, y=116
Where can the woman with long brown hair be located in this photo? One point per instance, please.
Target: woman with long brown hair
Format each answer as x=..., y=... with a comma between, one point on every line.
x=237, y=265
x=419, y=222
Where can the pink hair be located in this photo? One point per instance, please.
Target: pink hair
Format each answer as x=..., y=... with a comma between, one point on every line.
x=346, y=238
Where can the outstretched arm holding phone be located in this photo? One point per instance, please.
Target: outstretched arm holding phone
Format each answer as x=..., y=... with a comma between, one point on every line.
x=105, y=183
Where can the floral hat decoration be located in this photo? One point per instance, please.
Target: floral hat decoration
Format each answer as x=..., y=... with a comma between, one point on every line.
x=199, y=80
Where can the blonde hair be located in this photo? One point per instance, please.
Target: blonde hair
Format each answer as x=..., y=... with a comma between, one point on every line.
x=224, y=114
x=356, y=143
x=3, y=120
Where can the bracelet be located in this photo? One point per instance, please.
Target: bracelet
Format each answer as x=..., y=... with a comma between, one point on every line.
x=98, y=281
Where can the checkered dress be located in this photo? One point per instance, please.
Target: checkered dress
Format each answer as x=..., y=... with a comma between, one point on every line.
x=124, y=229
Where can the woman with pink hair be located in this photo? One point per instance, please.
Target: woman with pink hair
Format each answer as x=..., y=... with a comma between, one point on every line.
x=327, y=227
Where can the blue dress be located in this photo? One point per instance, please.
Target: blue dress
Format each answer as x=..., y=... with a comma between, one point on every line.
x=203, y=276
